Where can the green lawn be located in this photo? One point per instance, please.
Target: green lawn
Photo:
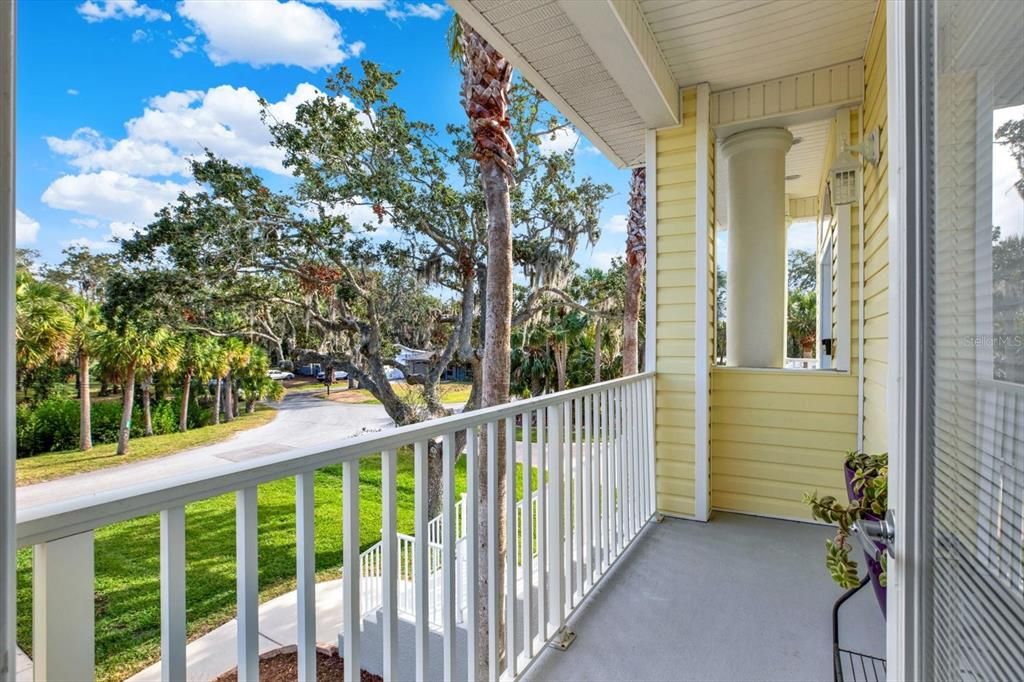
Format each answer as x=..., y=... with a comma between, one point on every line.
x=128, y=561
x=451, y=392
x=69, y=462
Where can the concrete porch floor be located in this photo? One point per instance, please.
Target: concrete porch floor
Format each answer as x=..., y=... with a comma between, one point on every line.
x=737, y=598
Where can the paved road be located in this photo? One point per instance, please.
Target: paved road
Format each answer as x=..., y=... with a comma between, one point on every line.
x=302, y=420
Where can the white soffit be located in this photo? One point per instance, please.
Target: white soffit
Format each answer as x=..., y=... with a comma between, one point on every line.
x=729, y=44
x=544, y=44
x=617, y=33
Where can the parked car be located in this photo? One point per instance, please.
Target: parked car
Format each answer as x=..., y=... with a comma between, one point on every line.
x=278, y=375
x=393, y=373
x=338, y=375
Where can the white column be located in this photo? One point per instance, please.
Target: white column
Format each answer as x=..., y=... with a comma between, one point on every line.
x=7, y=440
x=756, y=287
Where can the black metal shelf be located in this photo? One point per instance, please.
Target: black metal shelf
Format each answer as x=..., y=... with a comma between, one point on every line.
x=853, y=666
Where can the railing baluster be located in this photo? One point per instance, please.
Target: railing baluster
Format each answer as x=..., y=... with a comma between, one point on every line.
x=627, y=462
x=565, y=460
x=606, y=492
x=511, y=532
x=651, y=459
x=470, y=519
x=577, y=500
x=492, y=550
x=527, y=539
x=172, y=594
x=591, y=488
x=63, y=609
x=247, y=589
x=350, y=585
x=619, y=501
x=448, y=557
x=638, y=453
x=421, y=568
x=305, y=576
x=543, y=483
x=556, y=568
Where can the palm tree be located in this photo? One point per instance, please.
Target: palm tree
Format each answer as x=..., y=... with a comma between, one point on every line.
x=486, y=78
x=567, y=330
x=43, y=329
x=196, y=359
x=219, y=366
x=119, y=350
x=88, y=325
x=253, y=382
x=162, y=353
x=636, y=256
x=237, y=356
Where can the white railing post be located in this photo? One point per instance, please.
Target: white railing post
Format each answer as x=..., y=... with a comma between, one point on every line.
x=471, y=521
x=350, y=583
x=566, y=472
x=389, y=579
x=247, y=588
x=493, y=607
x=543, y=483
x=172, y=594
x=652, y=441
x=511, y=531
x=63, y=603
x=556, y=569
x=305, y=576
x=448, y=557
x=577, y=499
x=421, y=552
x=527, y=534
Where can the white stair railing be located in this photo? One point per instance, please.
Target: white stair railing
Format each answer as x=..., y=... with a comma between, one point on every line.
x=592, y=448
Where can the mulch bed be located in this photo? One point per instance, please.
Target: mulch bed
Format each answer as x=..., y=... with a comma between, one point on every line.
x=282, y=665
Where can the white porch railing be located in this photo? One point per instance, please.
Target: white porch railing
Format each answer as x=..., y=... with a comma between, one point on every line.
x=593, y=446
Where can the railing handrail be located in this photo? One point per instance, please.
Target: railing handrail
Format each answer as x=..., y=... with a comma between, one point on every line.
x=65, y=518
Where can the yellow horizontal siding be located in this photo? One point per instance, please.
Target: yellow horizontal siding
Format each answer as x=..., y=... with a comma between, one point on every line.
x=777, y=434
x=676, y=208
x=876, y=244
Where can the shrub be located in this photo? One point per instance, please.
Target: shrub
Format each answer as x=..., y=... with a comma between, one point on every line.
x=106, y=420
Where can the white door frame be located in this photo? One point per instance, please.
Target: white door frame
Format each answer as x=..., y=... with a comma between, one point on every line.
x=910, y=143
x=8, y=547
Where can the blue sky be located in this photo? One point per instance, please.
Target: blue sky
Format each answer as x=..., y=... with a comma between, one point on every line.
x=113, y=95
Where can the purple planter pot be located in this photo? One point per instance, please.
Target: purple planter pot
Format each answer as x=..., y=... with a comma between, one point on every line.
x=874, y=566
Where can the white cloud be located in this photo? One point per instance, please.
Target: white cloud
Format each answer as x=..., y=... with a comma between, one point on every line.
x=603, y=259
x=358, y=5
x=138, y=35
x=423, y=10
x=91, y=223
x=266, y=32
x=180, y=125
x=559, y=142
x=355, y=49
x=26, y=229
x=183, y=47
x=101, y=10
x=72, y=92
x=89, y=152
x=615, y=223
x=94, y=245
x=112, y=196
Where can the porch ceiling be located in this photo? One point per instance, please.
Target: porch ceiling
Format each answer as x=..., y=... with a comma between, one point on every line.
x=608, y=64
x=729, y=44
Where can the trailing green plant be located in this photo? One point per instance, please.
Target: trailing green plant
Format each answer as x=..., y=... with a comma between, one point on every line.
x=871, y=486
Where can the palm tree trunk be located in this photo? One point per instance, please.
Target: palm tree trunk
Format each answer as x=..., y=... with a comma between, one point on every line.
x=229, y=399
x=598, y=333
x=186, y=388
x=147, y=412
x=85, y=404
x=561, y=361
x=127, y=403
x=216, y=401
x=636, y=254
x=486, y=77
